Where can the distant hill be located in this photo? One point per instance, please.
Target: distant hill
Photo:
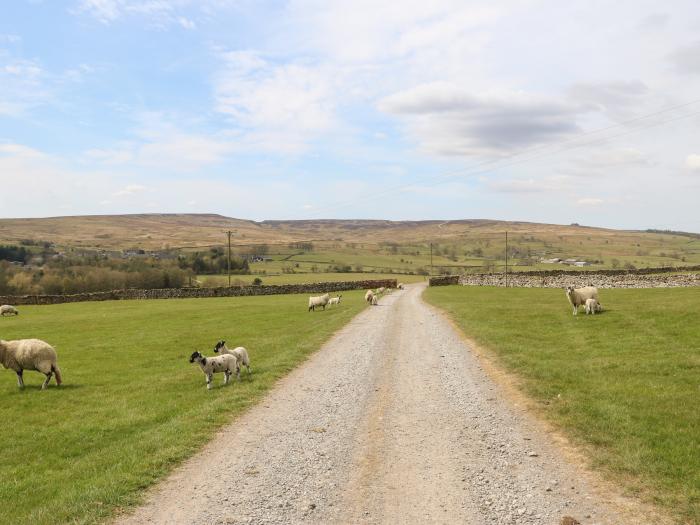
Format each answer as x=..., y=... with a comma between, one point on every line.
x=159, y=231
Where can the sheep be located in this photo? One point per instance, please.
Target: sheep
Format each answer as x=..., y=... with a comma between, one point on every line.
x=30, y=354
x=381, y=290
x=240, y=353
x=212, y=365
x=321, y=300
x=334, y=300
x=368, y=296
x=375, y=300
x=400, y=286
x=593, y=306
x=8, y=309
x=577, y=296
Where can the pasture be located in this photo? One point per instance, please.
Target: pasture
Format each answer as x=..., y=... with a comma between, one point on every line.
x=132, y=406
x=624, y=384
x=302, y=278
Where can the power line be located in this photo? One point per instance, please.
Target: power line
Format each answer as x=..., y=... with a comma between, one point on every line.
x=439, y=179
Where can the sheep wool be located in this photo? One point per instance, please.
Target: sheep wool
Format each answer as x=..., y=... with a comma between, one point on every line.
x=8, y=309
x=30, y=354
x=578, y=296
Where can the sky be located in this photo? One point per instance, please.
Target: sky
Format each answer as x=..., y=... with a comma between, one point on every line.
x=546, y=111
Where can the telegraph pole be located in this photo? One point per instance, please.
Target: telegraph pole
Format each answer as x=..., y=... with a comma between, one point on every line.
x=506, y=259
x=431, y=259
x=228, y=234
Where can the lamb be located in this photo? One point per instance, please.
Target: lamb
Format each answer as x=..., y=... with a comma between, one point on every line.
x=368, y=296
x=593, y=306
x=577, y=296
x=240, y=353
x=213, y=365
x=321, y=300
x=30, y=354
x=375, y=300
x=8, y=309
x=334, y=300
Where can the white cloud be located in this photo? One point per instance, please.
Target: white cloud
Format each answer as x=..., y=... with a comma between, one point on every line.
x=686, y=59
x=692, y=162
x=279, y=106
x=129, y=190
x=519, y=186
x=22, y=86
x=446, y=119
x=159, y=13
x=589, y=201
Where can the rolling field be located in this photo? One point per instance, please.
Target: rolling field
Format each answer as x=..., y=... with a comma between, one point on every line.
x=301, y=278
x=132, y=405
x=625, y=384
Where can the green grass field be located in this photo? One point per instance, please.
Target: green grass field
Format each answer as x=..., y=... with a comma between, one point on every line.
x=625, y=384
x=132, y=406
x=301, y=278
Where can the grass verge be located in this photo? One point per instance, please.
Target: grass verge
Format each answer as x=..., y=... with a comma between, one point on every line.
x=132, y=406
x=625, y=383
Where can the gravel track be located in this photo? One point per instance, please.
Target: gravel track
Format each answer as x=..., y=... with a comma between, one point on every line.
x=392, y=421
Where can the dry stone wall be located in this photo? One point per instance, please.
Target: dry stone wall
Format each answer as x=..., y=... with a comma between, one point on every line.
x=186, y=293
x=584, y=279
x=600, y=280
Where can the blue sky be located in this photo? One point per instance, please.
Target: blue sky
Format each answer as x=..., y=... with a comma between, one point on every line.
x=547, y=111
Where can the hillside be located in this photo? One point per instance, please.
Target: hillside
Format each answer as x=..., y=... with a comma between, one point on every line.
x=372, y=245
x=158, y=231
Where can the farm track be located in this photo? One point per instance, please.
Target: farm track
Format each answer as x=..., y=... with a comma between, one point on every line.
x=393, y=421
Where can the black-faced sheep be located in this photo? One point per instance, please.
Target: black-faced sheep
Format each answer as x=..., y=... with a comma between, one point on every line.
x=8, y=309
x=214, y=365
x=578, y=296
x=240, y=353
x=321, y=300
x=30, y=354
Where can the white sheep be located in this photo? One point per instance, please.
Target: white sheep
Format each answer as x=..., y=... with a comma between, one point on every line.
x=30, y=354
x=368, y=296
x=213, y=365
x=381, y=290
x=8, y=309
x=593, y=306
x=577, y=296
x=334, y=300
x=375, y=300
x=400, y=286
x=240, y=353
x=321, y=300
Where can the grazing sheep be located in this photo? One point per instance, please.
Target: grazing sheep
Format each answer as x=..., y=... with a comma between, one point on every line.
x=368, y=296
x=8, y=309
x=577, y=296
x=593, y=306
x=240, y=353
x=375, y=300
x=213, y=365
x=30, y=354
x=321, y=300
x=334, y=300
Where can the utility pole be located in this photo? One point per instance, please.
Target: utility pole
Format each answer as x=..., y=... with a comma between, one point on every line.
x=431, y=258
x=506, y=259
x=228, y=233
